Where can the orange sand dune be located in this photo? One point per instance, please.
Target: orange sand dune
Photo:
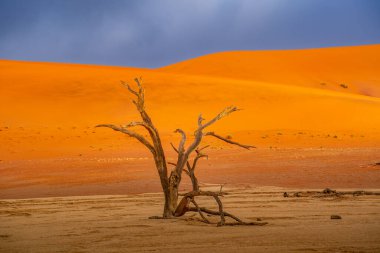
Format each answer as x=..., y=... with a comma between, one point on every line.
x=357, y=67
x=48, y=110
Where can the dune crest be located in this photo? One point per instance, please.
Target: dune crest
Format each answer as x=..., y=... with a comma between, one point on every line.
x=352, y=69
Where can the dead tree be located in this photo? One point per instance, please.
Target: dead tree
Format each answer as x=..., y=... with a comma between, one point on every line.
x=170, y=182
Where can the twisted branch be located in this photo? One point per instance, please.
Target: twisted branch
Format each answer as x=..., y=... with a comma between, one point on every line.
x=190, y=198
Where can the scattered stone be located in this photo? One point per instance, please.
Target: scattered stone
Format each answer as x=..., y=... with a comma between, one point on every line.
x=286, y=195
x=297, y=194
x=328, y=191
x=358, y=193
x=259, y=219
x=336, y=217
x=344, y=86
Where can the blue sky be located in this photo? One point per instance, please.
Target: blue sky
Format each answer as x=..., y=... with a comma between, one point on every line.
x=153, y=33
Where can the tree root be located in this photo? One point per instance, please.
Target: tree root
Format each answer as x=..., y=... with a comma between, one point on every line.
x=198, y=209
x=225, y=214
x=190, y=198
x=156, y=217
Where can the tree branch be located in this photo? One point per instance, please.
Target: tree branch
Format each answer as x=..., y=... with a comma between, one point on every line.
x=226, y=214
x=199, y=155
x=199, y=211
x=200, y=119
x=175, y=149
x=198, y=133
x=228, y=141
x=130, y=133
x=222, y=114
x=129, y=88
x=191, y=195
x=143, y=124
x=202, y=148
x=181, y=146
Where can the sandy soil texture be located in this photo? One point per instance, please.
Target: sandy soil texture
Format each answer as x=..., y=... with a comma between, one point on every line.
x=123, y=172
x=120, y=224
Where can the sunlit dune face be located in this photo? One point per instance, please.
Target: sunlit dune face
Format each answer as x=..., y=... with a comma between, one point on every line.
x=308, y=98
x=345, y=69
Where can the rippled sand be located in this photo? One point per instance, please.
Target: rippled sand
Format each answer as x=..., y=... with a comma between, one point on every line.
x=119, y=223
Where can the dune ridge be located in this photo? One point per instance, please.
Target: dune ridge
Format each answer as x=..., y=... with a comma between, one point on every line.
x=327, y=68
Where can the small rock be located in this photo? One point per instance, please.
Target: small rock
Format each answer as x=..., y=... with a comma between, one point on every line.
x=259, y=219
x=328, y=191
x=297, y=194
x=336, y=217
x=286, y=195
x=358, y=193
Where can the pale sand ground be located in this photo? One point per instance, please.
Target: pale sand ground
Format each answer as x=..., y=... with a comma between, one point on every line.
x=119, y=223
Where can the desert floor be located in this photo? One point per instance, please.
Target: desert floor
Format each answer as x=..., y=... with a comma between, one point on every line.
x=133, y=171
x=119, y=223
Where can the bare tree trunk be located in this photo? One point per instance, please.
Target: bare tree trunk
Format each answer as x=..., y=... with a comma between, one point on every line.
x=168, y=204
x=174, y=181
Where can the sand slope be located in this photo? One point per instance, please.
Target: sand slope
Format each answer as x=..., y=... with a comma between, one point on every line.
x=326, y=68
x=48, y=111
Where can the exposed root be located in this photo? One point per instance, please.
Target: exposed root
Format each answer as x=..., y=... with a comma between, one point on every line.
x=221, y=213
x=226, y=214
x=157, y=218
x=199, y=211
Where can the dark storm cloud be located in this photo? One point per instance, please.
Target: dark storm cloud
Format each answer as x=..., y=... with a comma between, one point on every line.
x=152, y=33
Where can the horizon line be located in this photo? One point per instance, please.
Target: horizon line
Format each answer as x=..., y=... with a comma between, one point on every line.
x=187, y=59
